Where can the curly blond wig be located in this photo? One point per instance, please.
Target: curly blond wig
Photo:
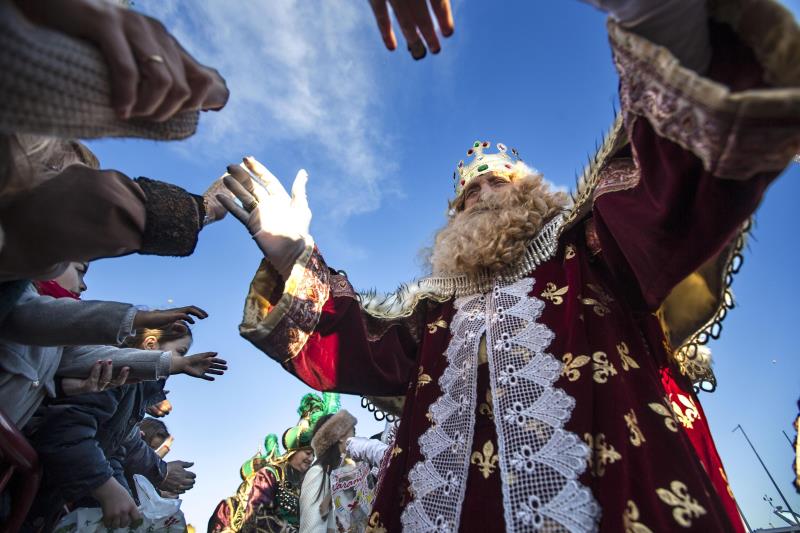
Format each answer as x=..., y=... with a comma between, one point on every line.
x=492, y=234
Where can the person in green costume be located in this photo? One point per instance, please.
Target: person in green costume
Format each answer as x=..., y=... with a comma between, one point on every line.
x=267, y=498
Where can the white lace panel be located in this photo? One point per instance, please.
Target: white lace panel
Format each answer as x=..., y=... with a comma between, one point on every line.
x=438, y=481
x=539, y=461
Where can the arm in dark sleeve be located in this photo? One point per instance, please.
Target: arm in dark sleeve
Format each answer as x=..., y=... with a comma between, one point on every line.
x=139, y=458
x=109, y=215
x=67, y=446
x=703, y=148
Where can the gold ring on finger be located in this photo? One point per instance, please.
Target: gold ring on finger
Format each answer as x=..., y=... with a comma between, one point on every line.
x=154, y=58
x=251, y=205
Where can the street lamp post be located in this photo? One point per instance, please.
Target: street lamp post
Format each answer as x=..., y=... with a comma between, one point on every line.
x=777, y=488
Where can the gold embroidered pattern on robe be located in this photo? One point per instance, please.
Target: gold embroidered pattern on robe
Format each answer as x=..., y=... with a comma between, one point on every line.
x=602, y=454
x=572, y=365
x=436, y=324
x=600, y=305
x=422, y=379
x=602, y=367
x=636, y=436
x=684, y=506
x=374, y=525
x=669, y=417
x=630, y=520
x=569, y=251
x=689, y=415
x=554, y=294
x=487, y=408
x=628, y=362
x=486, y=461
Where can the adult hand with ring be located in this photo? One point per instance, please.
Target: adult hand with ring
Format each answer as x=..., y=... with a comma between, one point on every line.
x=100, y=379
x=279, y=223
x=152, y=76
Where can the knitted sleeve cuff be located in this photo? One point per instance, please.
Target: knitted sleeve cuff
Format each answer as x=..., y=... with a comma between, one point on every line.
x=174, y=219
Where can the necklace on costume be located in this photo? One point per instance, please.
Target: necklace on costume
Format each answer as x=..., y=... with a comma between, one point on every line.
x=540, y=249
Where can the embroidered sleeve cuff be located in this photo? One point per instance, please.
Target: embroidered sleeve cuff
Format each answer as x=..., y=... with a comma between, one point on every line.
x=126, y=327
x=281, y=325
x=736, y=134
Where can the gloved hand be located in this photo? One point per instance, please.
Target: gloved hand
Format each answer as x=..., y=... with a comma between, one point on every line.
x=369, y=450
x=278, y=223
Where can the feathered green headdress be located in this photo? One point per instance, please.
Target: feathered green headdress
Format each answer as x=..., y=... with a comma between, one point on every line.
x=311, y=409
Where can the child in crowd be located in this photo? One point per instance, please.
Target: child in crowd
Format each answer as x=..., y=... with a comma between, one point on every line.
x=156, y=435
x=90, y=445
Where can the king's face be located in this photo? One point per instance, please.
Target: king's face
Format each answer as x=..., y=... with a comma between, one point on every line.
x=483, y=185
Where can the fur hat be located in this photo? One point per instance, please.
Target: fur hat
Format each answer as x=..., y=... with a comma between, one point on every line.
x=331, y=431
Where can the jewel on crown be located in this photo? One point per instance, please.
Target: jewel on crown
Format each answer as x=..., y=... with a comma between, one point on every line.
x=502, y=161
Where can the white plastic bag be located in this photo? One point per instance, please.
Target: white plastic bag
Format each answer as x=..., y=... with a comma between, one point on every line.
x=159, y=514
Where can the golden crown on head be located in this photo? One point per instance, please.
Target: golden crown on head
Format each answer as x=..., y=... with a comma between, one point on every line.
x=482, y=163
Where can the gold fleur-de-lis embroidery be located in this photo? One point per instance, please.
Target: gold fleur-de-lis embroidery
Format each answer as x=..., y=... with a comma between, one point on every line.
x=669, y=416
x=602, y=367
x=636, y=436
x=569, y=251
x=554, y=294
x=374, y=524
x=630, y=520
x=429, y=416
x=487, y=408
x=572, y=365
x=397, y=450
x=628, y=362
x=684, y=506
x=602, y=453
x=436, y=324
x=689, y=415
x=422, y=379
x=486, y=461
x=598, y=307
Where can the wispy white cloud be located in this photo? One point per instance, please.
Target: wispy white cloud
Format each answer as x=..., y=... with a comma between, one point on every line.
x=299, y=72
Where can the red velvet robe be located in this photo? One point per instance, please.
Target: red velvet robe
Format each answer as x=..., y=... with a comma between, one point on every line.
x=697, y=164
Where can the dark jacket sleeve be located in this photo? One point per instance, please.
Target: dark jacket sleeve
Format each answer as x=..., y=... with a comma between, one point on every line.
x=66, y=442
x=139, y=458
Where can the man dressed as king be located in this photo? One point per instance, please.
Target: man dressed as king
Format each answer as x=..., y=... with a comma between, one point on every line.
x=530, y=365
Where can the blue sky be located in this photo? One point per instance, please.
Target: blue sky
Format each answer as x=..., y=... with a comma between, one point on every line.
x=312, y=86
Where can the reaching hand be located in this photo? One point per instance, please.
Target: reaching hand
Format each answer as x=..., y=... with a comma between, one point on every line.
x=119, y=509
x=100, y=379
x=278, y=223
x=166, y=317
x=161, y=409
x=215, y=211
x=198, y=365
x=152, y=76
x=415, y=22
x=178, y=480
